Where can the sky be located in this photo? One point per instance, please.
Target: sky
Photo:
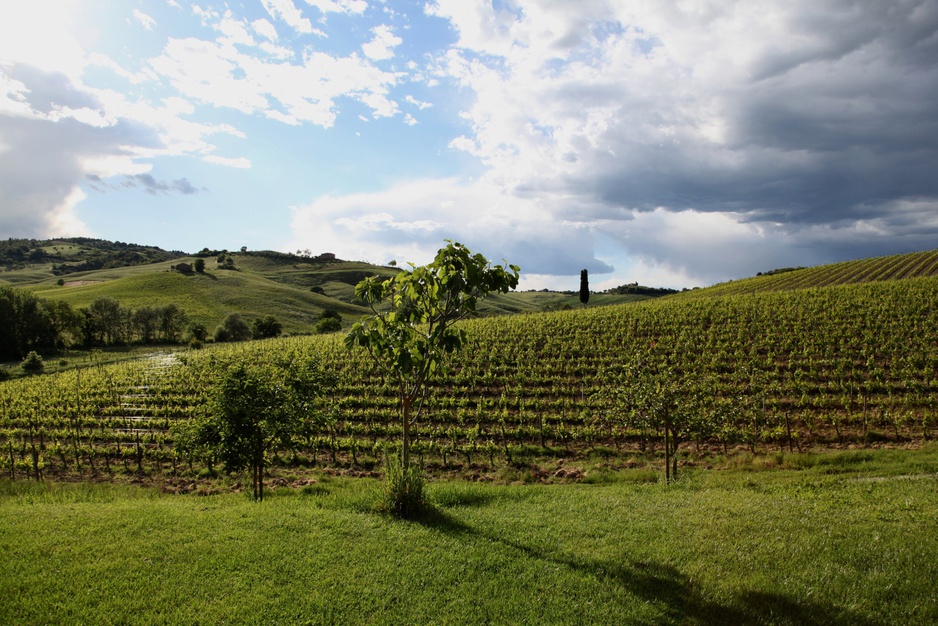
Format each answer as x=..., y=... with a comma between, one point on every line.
x=670, y=143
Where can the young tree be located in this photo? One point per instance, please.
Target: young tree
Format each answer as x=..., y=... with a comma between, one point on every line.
x=411, y=340
x=584, y=287
x=256, y=408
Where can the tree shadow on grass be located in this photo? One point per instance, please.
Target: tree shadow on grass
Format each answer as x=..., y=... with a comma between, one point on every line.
x=679, y=598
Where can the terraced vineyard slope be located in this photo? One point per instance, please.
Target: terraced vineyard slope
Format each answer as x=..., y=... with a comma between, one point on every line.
x=895, y=267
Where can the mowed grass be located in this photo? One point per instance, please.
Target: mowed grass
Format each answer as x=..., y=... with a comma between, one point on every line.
x=849, y=541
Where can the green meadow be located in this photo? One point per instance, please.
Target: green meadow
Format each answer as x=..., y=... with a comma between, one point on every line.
x=835, y=538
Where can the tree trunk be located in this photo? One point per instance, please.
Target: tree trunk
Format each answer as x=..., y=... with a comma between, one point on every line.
x=405, y=448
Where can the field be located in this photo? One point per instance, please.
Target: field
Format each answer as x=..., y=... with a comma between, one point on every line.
x=806, y=492
x=852, y=364
x=846, y=538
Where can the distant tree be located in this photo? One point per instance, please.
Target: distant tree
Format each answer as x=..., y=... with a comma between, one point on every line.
x=146, y=321
x=172, y=322
x=32, y=364
x=28, y=323
x=199, y=265
x=197, y=331
x=233, y=328
x=106, y=322
x=584, y=287
x=327, y=325
x=266, y=327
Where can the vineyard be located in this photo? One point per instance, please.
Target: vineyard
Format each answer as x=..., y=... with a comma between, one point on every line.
x=849, y=364
x=894, y=267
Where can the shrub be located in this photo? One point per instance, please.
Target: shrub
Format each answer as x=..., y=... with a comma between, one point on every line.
x=265, y=327
x=220, y=334
x=32, y=364
x=328, y=325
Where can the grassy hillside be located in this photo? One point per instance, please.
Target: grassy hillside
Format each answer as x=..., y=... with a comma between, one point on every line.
x=207, y=297
x=295, y=289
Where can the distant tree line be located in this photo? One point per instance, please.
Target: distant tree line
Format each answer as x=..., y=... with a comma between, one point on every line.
x=94, y=254
x=635, y=288
x=29, y=324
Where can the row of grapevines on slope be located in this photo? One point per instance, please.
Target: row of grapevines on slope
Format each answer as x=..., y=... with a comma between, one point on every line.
x=855, y=362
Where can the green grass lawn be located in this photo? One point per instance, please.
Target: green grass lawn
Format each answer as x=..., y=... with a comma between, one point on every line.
x=851, y=538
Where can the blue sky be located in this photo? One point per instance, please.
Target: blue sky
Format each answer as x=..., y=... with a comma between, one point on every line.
x=670, y=143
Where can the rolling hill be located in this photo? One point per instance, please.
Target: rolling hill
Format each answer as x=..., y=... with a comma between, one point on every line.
x=294, y=288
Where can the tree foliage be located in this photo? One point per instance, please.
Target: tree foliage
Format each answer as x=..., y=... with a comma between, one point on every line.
x=232, y=328
x=255, y=409
x=266, y=327
x=584, y=286
x=411, y=339
x=28, y=323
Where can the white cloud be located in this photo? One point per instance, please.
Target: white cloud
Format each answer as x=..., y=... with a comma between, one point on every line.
x=238, y=163
x=701, y=118
x=63, y=220
x=224, y=75
x=39, y=33
x=339, y=6
x=265, y=29
x=417, y=103
x=286, y=10
x=380, y=48
x=145, y=20
x=409, y=222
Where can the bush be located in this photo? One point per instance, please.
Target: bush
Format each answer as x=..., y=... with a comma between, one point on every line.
x=220, y=334
x=265, y=327
x=328, y=325
x=32, y=364
x=5, y=373
x=197, y=332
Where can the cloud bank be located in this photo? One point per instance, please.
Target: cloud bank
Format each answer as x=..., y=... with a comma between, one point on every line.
x=699, y=141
